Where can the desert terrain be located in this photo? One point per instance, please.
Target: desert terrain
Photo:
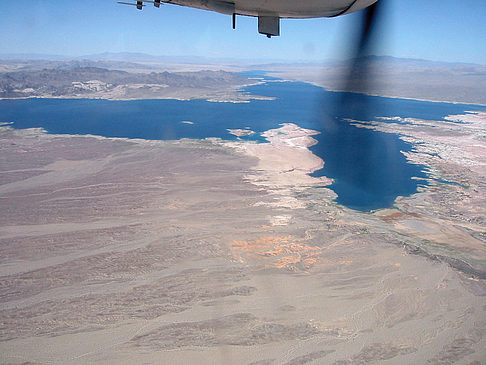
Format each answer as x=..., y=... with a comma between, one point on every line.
x=394, y=77
x=85, y=80
x=120, y=76
x=119, y=251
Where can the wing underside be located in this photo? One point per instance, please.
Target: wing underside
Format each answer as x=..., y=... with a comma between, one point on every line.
x=278, y=8
x=281, y=8
x=269, y=12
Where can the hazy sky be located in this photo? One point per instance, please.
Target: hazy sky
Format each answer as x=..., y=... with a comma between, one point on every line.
x=445, y=30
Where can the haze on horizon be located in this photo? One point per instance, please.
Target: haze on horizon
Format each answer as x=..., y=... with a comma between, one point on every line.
x=433, y=30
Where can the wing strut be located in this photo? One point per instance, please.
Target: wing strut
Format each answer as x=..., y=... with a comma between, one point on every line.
x=140, y=3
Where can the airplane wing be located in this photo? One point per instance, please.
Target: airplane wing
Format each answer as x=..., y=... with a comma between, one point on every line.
x=269, y=12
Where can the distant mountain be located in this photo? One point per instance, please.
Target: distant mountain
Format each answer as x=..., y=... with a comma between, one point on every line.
x=377, y=75
x=136, y=57
x=418, y=62
x=375, y=60
x=106, y=56
x=147, y=58
x=394, y=77
x=123, y=56
x=74, y=81
x=32, y=56
x=33, y=65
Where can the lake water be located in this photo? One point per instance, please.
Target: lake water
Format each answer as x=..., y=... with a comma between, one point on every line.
x=368, y=169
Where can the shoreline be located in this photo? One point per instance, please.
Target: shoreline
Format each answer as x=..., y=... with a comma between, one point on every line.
x=285, y=163
x=337, y=90
x=161, y=251
x=211, y=100
x=246, y=98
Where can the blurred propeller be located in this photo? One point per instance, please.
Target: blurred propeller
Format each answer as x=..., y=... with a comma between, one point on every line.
x=369, y=20
x=358, y=76
x=359, y=157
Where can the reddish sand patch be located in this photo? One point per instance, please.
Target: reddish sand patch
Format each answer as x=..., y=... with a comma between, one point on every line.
x=397, y=216
x=283, y=252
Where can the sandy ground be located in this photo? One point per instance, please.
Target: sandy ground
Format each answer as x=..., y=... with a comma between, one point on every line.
x=120, y=252
x=450, y=216
x=445, y=83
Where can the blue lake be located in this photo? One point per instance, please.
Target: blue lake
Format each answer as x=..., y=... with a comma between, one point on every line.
x=368, y=168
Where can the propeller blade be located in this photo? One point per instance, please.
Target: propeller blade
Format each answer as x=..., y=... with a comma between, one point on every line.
x=357, y=152
x=358, y=76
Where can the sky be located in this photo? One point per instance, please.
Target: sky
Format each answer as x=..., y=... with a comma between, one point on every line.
x=439, y=30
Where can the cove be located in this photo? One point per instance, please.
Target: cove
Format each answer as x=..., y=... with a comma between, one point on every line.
x=367, y=166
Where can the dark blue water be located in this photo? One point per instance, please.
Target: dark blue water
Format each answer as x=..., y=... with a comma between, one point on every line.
x=368, y=168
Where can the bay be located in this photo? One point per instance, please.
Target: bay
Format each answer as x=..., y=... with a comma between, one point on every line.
x=367, y=166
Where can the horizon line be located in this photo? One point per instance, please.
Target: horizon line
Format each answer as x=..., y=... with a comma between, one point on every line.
x=59, y=57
